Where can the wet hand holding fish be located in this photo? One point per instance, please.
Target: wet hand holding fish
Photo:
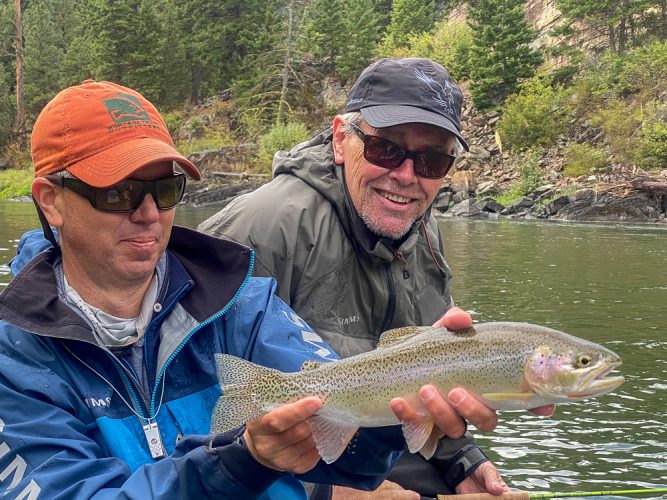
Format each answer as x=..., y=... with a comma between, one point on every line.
x=509, y=365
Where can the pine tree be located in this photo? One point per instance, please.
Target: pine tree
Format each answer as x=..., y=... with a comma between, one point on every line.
x=408, y=17
x=501, y=55
x=362, y=33
x=48, y=32
x=324, y=31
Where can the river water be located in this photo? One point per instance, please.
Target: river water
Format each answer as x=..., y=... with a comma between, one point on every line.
x=606, y=283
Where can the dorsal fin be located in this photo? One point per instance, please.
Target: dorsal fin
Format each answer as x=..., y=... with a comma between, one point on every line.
x=391, y=337
x=310, y=365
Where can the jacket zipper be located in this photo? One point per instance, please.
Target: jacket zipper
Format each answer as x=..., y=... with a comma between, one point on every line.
x=404, y=264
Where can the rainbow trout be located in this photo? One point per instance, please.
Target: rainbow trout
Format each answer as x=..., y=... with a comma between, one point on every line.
x=510, y=366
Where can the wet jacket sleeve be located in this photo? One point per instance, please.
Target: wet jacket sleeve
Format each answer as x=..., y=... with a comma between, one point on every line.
x=46, y=451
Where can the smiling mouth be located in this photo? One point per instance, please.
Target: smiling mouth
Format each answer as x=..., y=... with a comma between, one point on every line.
x=395, y=198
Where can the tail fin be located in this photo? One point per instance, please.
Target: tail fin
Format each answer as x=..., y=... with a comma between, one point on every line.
x=239, y=403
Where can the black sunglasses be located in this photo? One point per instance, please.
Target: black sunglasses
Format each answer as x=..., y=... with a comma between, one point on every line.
x=386, y=154
x=128, y=195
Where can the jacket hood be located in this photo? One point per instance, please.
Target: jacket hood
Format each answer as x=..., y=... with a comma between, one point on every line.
x=313, y=162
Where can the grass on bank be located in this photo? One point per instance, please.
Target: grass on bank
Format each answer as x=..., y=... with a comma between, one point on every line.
x=15, y=183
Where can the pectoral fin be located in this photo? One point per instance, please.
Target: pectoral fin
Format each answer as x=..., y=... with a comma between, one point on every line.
x=509, y=400
x=331, y=436
x=513, y=396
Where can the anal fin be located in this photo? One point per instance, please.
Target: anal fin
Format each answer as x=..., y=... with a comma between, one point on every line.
x=417, y=433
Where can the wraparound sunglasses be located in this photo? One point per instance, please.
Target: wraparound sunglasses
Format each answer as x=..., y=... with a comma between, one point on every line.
x=386, y=154
x=128, y=195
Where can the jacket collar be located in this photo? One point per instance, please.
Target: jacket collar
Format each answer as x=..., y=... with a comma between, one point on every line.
x=203, y=272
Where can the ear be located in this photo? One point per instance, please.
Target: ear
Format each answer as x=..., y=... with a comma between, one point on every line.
x=46, y=195
x=338, y=138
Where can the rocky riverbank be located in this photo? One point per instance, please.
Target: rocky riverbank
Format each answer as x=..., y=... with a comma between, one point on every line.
x=622, y=193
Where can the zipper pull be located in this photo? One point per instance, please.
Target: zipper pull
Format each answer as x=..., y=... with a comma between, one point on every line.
x=404, y=264
x=154, y=439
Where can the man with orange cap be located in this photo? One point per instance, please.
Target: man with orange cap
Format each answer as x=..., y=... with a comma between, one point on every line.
x=108, y=331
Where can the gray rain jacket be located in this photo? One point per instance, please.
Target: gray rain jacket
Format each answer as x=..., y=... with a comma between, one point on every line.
x=344, y=282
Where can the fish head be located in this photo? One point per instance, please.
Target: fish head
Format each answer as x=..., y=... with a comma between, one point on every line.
x=568, y=373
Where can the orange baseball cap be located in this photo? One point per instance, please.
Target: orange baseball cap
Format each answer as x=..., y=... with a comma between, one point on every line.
x=101, y=133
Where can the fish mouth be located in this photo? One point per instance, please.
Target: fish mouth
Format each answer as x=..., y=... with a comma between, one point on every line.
x=598, y=383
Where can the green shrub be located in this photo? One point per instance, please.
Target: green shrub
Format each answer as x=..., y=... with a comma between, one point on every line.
x=448, y=44
x=583, y=159
x=652, y=148
x=620, y=121
x=530, y=179
x=210, y=140
x=280, y=137
x=174, y=120
x=536, y=116
x=15, y=183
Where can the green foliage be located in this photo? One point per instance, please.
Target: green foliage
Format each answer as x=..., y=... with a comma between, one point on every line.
x=501, y=51
x=620, y=121
x=615, y=19
x=210, y=140
x=408, y=17
x=174, y=120
x=280, y=137
x=530, y=178
x=584, y=159
x=6, y=107
x=15, y=183
x=652, y=148
x=533, y=117
x=449, y=44
x=361, y=28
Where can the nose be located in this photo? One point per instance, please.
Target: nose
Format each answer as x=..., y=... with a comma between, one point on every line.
x=405, y=172
x=148, y=212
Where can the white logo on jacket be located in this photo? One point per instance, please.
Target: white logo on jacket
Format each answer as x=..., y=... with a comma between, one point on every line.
x=18, y=466
x=309, y=336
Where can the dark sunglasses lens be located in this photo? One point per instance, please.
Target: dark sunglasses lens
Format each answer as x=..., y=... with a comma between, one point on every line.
x=433, y=165
x=168, y=192
x=121, y=197
x=382, y=152
x=128, y=195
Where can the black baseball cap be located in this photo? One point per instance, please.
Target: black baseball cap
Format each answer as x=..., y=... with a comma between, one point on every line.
x=408, y=90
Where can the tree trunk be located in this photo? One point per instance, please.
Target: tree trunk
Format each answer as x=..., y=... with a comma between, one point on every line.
x=195, y=95
x=280, y=118
x=19, y=118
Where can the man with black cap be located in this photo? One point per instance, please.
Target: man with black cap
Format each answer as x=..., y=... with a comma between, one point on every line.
x=345, y=228
x=108, y=331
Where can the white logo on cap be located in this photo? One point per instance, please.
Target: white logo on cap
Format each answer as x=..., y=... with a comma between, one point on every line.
x=444, y=96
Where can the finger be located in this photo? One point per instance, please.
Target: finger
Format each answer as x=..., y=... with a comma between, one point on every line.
x=491, y=479
x=286, y=416
x=544, y=411
x=475, y=412
x=454, y=319
x=444, y=414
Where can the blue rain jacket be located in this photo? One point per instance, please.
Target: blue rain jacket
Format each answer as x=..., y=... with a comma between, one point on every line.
x=72, y=411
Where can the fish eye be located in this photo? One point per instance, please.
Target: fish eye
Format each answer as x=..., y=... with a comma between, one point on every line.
x=583, y=360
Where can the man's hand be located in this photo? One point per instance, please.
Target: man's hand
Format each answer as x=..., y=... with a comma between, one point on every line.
x=386, y=491
x=485, y=479
x=282, y=439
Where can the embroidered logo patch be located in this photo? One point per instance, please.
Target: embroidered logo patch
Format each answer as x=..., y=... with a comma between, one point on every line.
x=444, y=96
x=124, y=108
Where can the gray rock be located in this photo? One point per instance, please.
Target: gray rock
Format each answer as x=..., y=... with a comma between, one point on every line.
x=461, y=209
x=441, y=203
x=556, y=205
x=518, y=206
